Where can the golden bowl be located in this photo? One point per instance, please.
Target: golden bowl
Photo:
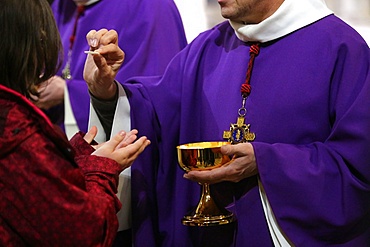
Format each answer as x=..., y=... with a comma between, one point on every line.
x=201, y=155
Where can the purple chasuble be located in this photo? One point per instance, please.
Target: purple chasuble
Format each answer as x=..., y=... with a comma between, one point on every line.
x=150, y=33
x=310, y=110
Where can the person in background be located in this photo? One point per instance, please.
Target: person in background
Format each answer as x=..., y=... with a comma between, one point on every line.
x=53, y=192
x=152, y=34
x=294, y=77
x=155, y=33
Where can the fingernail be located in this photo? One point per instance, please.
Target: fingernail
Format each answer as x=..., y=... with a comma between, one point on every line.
x=93, y=42
x=122, y=133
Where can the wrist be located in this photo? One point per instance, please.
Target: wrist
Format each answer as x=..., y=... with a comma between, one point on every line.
x=104, y=93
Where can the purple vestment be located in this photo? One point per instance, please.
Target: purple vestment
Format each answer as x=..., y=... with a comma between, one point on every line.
x=150, y=33
x=310, y=110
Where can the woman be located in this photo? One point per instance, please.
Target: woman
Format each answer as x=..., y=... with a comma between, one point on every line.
x=53, y=193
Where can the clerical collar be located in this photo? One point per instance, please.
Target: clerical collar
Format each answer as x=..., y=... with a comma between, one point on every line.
x=291, y=16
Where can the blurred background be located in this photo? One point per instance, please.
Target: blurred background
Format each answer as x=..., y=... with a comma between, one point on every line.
x=199, y=15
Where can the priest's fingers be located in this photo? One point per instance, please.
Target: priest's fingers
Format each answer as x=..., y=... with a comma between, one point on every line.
x=238, y=150
x=105, y=43
x=209, y=176
x=110, y=58
x=234, y=171
x=93, y=38
x=90, y=135
x=107, y=37
x=100, y=39
x=89, y=37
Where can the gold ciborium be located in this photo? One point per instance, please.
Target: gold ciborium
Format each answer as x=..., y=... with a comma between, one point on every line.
x=204, y=156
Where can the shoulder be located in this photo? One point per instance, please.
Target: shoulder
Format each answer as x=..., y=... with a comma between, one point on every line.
x=329, y=38
x=335, y=30
x=19, y=118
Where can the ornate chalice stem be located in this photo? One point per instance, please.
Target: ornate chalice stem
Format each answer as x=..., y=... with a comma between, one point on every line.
x=207, y=213
x=207, y=206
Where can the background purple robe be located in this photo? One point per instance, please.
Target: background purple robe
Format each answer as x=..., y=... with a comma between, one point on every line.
x=310, y=110
x=150, y=33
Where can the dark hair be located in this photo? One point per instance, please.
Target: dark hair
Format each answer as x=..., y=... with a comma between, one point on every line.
x=30, y=46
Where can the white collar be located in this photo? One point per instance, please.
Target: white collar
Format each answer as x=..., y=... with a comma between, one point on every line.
x=291, y=16
x=91, y=2
x=87, y=3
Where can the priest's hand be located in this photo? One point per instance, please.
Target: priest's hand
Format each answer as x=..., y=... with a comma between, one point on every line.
x=242, y=165
x=102, y=67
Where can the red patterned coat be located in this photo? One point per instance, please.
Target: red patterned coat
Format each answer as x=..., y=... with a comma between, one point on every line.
x=52, y=192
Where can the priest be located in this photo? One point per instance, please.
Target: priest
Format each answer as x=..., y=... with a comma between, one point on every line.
x=297, y=78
